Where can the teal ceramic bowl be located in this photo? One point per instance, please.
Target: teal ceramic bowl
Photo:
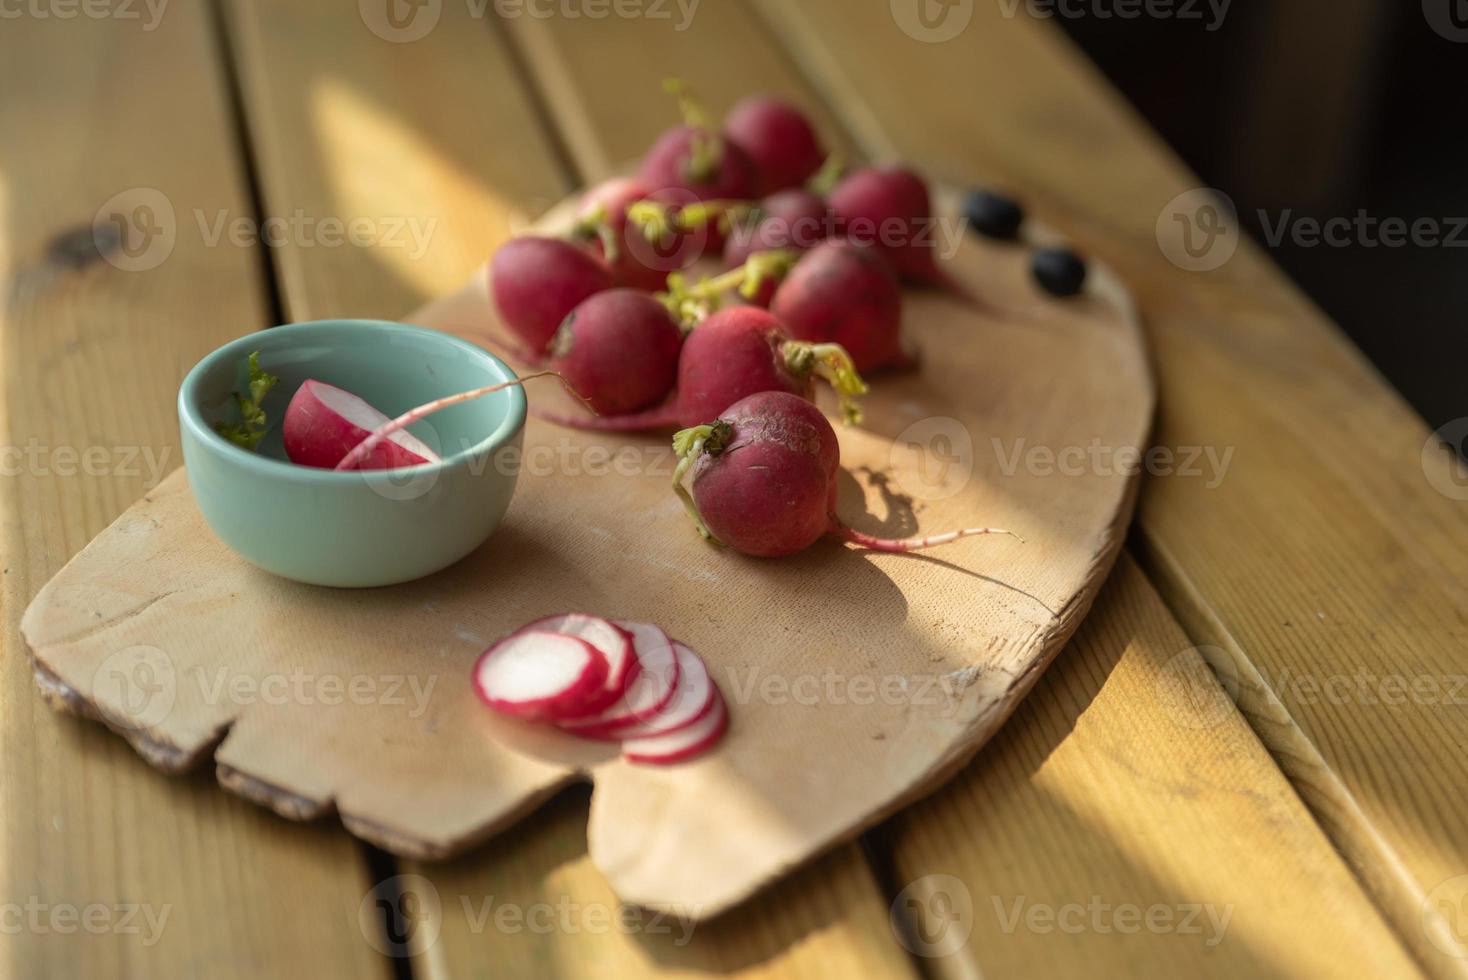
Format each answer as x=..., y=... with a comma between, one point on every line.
x=366, y=528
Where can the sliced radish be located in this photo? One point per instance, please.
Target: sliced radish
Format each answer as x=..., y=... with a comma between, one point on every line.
x=650, y=691
x=694, y=698
x=540, y=675
x=323, y=422
x=614, y=643
x=683, y=744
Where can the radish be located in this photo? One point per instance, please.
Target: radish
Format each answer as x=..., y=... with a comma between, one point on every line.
x=695, y=697
x=763, y=479
x=778, y=138
x=844, y=293
x=536, y=281
x=681, y=745
x=642, y=235
x=651, y=689
x=695, y=157
x=734, y=353
x=602, y=222
x=323, y=423
x=538, y=674
x=889, y=208
x=619, y=350
x=792, y=219
x=613, y=643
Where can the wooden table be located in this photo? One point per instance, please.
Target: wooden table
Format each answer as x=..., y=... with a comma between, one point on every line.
x=1317, y=830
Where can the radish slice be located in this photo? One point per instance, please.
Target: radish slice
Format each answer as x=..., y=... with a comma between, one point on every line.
x=614, y=643
x=683, y=744
x=323, y=423
x=540, y=675
x=694, y=699
x=650, y=691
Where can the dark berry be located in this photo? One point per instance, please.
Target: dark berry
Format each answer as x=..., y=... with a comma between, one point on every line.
x=1059, y=271
x=992, y=214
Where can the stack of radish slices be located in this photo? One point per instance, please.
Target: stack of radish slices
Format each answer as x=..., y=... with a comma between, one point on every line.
x=608, y=680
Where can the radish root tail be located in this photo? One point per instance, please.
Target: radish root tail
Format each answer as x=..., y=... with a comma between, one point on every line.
x=361, y=450
x=904, y=545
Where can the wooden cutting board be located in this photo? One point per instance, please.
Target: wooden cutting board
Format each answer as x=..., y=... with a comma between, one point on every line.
x=857, y=681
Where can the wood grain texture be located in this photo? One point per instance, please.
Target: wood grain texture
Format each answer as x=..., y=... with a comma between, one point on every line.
x=826, y=920
x=430, y=147
x=106, y=869
x=460, y=93
x=1324, y=569
x=1080, y=859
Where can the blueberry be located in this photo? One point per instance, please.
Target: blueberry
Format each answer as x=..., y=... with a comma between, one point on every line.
x=993, y=215
x=1059, y=271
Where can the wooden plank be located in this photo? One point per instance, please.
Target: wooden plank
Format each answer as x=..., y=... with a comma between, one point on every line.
x=428, y=147
x=106, y=867
x=825, y=921
x=1326, y=552
x=829, y=914
x=1128, y=822
x=605, y=94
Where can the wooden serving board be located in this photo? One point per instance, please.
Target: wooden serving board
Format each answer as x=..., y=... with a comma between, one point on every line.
x=857, y=681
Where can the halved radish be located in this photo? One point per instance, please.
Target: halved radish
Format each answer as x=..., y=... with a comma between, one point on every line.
x=651, y=689
x=694, y=698
x=540, y=675
x=614, y=643
x=683, y=744
x=323, y=423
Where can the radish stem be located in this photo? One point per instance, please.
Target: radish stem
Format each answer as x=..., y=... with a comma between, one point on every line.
x=690, y=444
x=833, y=363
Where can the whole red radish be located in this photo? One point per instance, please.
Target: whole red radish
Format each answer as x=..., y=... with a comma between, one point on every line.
x=697, y=158
x=536, y=281
x=735, y=353
x=762, y=480
x=701, y=162
x=889, y=208
x=843, y=292
x=778, y=138
x=793, y=219
x=323, y=423
x=602, y=222
x=618, y=350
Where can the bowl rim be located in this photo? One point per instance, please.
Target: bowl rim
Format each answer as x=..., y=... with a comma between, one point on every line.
x=242, y=346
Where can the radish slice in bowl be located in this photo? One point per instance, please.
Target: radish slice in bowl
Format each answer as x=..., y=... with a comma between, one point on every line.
x=654, y=685
x=682, y=744
x=536, y=674
x=323, y=423
x=614, y=643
